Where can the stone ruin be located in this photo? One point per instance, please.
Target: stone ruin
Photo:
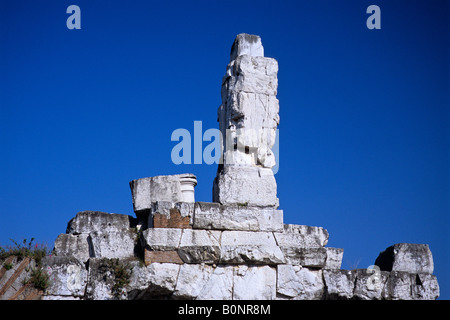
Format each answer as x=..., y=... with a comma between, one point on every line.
x=236, y=247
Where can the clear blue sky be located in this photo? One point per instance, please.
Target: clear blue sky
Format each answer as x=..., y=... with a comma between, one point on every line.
x=364, y=131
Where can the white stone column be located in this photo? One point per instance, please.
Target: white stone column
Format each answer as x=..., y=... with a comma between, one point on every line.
x=248, y=119
x=187, y=184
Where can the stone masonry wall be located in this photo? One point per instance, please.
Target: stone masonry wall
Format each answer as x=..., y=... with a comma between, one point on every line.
x=246, y=254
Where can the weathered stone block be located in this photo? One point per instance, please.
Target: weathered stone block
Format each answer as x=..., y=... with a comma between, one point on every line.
x=161, y=257
x=192, y=237
x=162, y=207
x=339, y=284
x=307, y=257
x=251, y=254
x=246, y=186
x=246, y=44
x=114, y=244
x=155, y=281
x=68, y=276
x=243, y=238
x=398, y=286
x=219, y=285
x=191, y=280
x=334, y=258
x=236, y=217
x=200, y=246
x=426, y=287
x=102, y=280
x=252, y=74
x=407, y=257
x=369, y=284
x=163, y=239
x=200, y=254
x=249, y=121
x=73, y=245
x=299, y=283
x=92, y=221
x=162, y=278
x=186, y=209
x=407, y=286
x=295, y=235
x=254, y=283
x=170, y=188
x=288, y=283
x=250, y=247
x=257, y=115
x=139, y=279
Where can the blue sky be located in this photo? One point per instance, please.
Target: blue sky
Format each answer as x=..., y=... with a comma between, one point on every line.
x=364, y=131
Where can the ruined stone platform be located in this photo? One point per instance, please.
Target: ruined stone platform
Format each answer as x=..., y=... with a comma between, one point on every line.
x=236, y=247
x=212, y=261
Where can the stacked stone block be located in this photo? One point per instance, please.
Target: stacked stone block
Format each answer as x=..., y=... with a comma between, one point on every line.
x=213, y=261
x=248, y=119
x=240, y=256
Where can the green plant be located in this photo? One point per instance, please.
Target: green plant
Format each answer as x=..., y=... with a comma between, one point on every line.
x=25, y=249
x=28, y=249
x=242, y=204
x=8, y=266
x=39, y=279
x=122, y=275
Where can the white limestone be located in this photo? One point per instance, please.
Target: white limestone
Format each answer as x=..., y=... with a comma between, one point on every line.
x=191, y=237
x=73, y=245
x=187, y=184
x=254, y=283
x=302, y=236
x=299, y=283
x=398, y=286
x=91, y=221
x=163, y=239
x=200, y=246
x=246, y=186
x=248, y=119
x=252, y=74
x=170, y=188
x=251, y=254
x=307, y=257
x=110, y=245
x=162, y=278
x=334, y=258
x=236, y=217
x=246, y=44
x=340, y=283
x=239, y=238
x=219, y=286
x=68, y=276
x=191, y=280
x=426, y=288
x=369, y=284
x=407, y=257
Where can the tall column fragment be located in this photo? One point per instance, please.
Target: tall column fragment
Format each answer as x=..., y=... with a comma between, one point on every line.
x=248, y=119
